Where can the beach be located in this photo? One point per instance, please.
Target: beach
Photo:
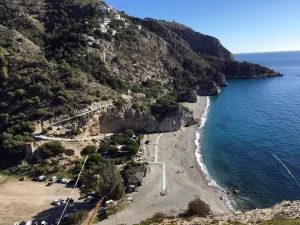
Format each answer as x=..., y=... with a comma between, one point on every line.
x=172, y=166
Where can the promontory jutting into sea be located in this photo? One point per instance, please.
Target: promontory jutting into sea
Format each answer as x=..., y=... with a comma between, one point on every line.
x=249, y=123
x=141, y=112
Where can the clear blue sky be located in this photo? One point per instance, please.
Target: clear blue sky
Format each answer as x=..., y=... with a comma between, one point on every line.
x=241, y=25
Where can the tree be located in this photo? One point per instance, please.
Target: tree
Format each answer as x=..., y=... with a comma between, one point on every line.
x=52, y=148
x=129, y=133
x=76, y=218
x=197, y=207
x=104, y=180
x=88, y=150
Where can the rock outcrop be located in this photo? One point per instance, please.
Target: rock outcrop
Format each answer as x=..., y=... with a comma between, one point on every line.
x=285, y=209
x=114, y=121
x=201, y=42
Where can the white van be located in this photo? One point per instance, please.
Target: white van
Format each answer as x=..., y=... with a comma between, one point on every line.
x=29, y=223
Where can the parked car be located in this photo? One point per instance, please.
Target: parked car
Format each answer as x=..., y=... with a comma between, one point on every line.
x=56, y=202
x=41, y=178
x=43, y=223
x=71, y=200
x=50, y=183
x=35, y=222
x=29, y=223
x=23, y=223
x=16, y=223
x=53, y=178
x=22, y=178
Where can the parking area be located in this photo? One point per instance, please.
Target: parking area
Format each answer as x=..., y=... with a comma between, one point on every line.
x=33, y=200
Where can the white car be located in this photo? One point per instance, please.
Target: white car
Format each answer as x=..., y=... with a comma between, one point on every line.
x=90, y=197
x=43, y=223
x=29, y=223
x=63, y=202
x=56, y=202
x=16, y=223
x=41, y=177
x=53, y=178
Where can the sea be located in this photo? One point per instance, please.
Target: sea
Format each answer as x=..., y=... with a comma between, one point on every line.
x=249, y=140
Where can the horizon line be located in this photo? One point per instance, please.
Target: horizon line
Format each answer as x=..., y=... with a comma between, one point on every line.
x=266, y=52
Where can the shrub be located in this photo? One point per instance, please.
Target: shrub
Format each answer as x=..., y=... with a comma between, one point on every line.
x=198, y=207
x=88, y=150
x=159, y=215
x=69, y=152
x=52, y=148
x=39, y=170
x=78, y=217
x=128, y=133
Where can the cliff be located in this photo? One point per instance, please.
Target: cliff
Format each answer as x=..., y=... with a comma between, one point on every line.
x=282, y=213
x=113, y=120
x=201, y=42
x=59, y=56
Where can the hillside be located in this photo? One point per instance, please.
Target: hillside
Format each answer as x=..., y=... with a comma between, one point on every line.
x=60, y=56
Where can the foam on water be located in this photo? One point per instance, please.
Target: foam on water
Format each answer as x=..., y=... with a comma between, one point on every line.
x=211, y=182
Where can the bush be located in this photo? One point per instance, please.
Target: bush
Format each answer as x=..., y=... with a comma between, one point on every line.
x=52, y=148
x=88, y=150
x=77, y=218
x=198, y=207
x=69, y=152
x=39, y=170
x=159, y=215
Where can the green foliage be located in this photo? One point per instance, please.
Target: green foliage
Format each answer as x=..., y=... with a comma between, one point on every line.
x=40, y=170
x=197, y=207
x=88, y=150
x=282, y=221
x=131, y=148
x=165, y=105
x=159, y=215
x=69, y=152
x=120, y=103
x=76, y=218
x=52, y=148
x=107, y=148
x=102, y=178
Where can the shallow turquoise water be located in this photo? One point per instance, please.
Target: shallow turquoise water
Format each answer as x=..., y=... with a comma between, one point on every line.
x=249, y=122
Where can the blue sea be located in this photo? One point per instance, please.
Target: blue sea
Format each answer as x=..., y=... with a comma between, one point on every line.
x=250, y=122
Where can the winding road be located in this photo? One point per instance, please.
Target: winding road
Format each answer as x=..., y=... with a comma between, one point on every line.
x=38, y=133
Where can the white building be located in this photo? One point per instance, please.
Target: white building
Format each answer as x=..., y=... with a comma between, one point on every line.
x=117, y=17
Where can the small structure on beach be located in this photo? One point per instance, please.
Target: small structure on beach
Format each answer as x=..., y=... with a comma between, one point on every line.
x=135, y=180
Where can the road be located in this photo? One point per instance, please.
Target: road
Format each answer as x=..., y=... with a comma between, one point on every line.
x=37, y=133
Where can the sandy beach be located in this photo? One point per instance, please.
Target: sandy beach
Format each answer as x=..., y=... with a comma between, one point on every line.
x=173, y=166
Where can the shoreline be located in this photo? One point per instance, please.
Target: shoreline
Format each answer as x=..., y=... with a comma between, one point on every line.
x=201, y=113
x=172, y=165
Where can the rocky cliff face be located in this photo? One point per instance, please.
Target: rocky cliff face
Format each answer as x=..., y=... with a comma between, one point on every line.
x=285, y=209
x=117, y=121
x=201, y=42
x=113, y=121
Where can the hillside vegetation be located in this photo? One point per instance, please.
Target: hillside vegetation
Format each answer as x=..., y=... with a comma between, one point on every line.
x=55, y=58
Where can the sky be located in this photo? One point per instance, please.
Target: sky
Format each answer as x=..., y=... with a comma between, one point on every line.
x=242, y=26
